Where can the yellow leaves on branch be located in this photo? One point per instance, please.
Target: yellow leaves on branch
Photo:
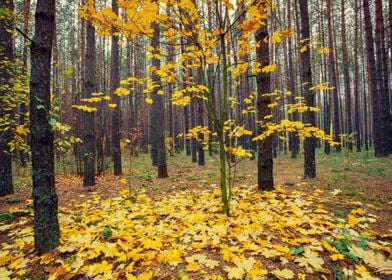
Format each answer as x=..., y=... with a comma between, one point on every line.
x=301, y=129
x=269, y=68
x=85, y=108
x=122, y=91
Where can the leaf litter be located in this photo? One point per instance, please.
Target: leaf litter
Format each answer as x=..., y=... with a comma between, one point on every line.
x=184, y=235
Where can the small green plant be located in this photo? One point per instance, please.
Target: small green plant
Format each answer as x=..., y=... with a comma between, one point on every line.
x=146, y=176
x=210, y=174
x=156, y=188
x=106, y=232
x=342, y=245
x=70, y=259
x=297, y=251
x=14, y=199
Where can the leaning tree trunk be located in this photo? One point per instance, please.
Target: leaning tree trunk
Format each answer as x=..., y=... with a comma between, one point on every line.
x=46, y=226
x=265, y=179
x=6, y=55
x=309, y=116
x=114, y=84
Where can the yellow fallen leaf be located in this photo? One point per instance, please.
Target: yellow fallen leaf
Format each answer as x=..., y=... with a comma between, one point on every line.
x=234, y=272
x=4, y=273
x=283, y=274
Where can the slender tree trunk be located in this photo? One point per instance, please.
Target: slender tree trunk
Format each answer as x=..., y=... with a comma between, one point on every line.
x=89, y=117
x=157, y=112
x=356, y=84
x=6, y=54
x=373, y=94
x=265, y=161
x=114, y=84
x=333, y=77
x=293, y=139
x=346, y=74
x=46, y=226
x=309, y=116
x=22, y=107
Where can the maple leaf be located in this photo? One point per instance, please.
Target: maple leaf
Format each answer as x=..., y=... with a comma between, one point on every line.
x=145, y=276
x=234, y=272
x=375, y=260
x=192, y=267
x=172, y=257
x=337, y=257
x=149, y=100
x=4, y=273
x=283, y=274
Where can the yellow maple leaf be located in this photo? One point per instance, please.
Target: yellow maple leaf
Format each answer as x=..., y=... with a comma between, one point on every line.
x=145, y=276
x=152, y=243
x=375, y=260
x=192, y=267
x=269, y=68
x=149, y=100
x=4, y=273
x=234, y=272
x=283, y=274
x=337, y=257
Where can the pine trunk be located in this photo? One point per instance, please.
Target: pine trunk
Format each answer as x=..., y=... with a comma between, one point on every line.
x=46, y=226
x=6, y=54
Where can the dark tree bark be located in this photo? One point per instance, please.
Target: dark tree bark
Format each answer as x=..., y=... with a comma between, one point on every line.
x=46, y=226
x=373, y=94
x=22, y=107
x=6, y=55
x=194, y=143
x=89, y=117
x=309, y=116
x=346, y=75
x=333, y=77
x=294, y=139
x=356, y=84
x=114, y=84
x=201, y=154
x=157, y=113
x=265, y=179
x=383, y=80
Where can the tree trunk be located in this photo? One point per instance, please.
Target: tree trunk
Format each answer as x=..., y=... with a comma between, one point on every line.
x=309, y=116
x=265, y=162
x=46, y=226
x=373, y=94
x=114, y=84
x=6, y=54
x=383, y=77
x=89, y=117
x=356, y=84
x=157, y=112
x=346, y=74
x=333, y=77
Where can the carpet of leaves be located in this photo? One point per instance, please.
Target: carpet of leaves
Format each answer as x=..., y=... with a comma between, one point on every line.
x=271, y=235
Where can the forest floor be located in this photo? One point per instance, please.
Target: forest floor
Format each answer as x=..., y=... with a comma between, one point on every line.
x=337, y=226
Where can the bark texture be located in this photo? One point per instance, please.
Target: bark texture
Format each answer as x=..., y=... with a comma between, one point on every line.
x=309, y=116
x=6, y=56
x=46, y=226
x=265, y=179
